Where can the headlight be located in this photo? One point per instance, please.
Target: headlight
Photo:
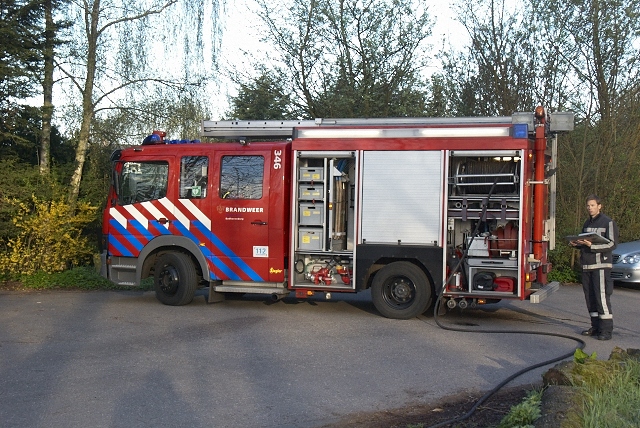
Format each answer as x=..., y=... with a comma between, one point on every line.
x=632, y=259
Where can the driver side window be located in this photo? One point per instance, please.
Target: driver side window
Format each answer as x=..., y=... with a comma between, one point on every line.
x=142, y=181
x=241, y=177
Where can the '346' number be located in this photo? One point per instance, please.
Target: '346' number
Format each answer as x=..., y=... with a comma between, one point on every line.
x=277, y=159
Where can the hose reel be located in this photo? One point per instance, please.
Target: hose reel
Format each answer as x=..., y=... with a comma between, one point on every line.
x=477, y=177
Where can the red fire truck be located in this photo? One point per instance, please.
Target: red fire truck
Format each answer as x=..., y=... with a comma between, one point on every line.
x=410, y=208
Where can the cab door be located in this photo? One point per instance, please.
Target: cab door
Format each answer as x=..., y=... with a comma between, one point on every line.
x=141, y=183
x=247, y=229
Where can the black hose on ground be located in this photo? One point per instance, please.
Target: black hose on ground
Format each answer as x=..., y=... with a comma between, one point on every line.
x=436, y=309
x=486, y=396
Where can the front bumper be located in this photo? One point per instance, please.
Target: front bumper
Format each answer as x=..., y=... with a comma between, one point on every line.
x=625, y=273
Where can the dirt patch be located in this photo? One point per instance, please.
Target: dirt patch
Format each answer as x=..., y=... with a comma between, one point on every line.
x=18, y=287
x=490, y=413
x=12, y=286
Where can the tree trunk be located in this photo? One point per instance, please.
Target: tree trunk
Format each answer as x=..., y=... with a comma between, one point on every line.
x=91, y=18
x=47, y=90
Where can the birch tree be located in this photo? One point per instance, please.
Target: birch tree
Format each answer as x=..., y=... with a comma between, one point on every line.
x=111, y=60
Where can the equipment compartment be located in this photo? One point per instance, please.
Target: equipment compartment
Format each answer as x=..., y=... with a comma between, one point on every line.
x=330, y=272
x=324, y=220
x=484, y=198
x=502, y=280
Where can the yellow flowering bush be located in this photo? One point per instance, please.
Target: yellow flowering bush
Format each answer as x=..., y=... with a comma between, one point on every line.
x=50, y=237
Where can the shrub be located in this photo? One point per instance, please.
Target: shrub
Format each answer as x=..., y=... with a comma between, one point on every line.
x=20, y=182
x=562, y=270
x=50, y=237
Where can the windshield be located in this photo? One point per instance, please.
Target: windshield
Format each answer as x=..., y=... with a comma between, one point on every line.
x=142, y=181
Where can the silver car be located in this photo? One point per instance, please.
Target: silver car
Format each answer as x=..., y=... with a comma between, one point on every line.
x=626, y=262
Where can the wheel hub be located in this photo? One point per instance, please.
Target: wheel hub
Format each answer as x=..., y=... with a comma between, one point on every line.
x=169, y=280
x=399, y=291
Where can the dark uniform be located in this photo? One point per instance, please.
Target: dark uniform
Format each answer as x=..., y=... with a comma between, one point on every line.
x=597, y=284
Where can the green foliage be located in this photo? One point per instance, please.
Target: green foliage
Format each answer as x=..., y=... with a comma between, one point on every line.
x=19, y=40
x=176, y=111
x=496, y=68
x=19, y=125
x=49, y=237
x=563, y=275
x=20, y=62
x=562, y=270
x=21, y=182
x=77, y=278
x=97, y=176
x=349, y=58
x=581, y=357
x=439, y=98
x=523, y=415
x=20, y=130
x=262, y=98
x=609, y=392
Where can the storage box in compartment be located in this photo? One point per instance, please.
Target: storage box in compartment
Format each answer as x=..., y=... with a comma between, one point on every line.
x=505, y=272
x=310, y=238
x=478, y=246
x=311, y=213
x=311, y=174
x=311, y=192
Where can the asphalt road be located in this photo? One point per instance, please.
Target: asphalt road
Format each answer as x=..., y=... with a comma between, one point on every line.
x=122, y=359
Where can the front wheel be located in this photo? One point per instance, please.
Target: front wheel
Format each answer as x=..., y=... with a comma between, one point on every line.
x=401, y=290
x=174, y=279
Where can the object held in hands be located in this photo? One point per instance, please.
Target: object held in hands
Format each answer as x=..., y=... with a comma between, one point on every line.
x=592, y=237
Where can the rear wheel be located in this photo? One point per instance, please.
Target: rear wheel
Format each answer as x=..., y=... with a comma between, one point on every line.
x=175, y=279
x=401, y=290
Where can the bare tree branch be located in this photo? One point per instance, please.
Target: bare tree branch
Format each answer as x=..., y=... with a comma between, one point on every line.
x=138, y=16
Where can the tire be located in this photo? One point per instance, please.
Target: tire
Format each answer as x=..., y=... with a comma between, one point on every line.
x=174, y=279
x=401, y=290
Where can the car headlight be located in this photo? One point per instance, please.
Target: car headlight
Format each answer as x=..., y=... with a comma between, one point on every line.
x=632, y=259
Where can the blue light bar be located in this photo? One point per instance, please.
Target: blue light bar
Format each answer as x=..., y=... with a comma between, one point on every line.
x=151, y=139
x=520, y=130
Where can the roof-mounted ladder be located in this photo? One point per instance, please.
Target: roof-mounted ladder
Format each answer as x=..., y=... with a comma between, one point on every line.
x=287, y=128
x=235, y=129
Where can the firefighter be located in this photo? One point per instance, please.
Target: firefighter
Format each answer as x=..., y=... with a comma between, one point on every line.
x=596, y=260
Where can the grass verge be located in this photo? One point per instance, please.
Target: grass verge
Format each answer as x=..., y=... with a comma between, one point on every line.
x=79, y=278
x=609, y=392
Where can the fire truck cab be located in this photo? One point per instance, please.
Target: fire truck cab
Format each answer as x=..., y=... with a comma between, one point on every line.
x=407, y=207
